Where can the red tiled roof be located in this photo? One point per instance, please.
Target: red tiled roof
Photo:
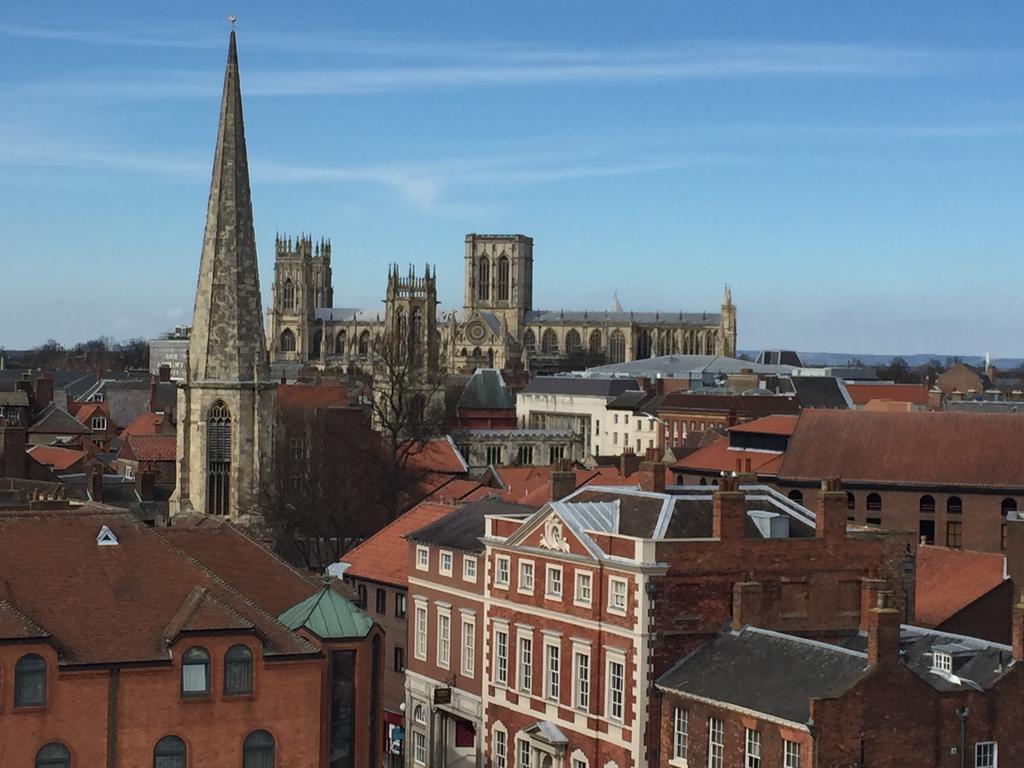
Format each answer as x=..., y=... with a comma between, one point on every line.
x=14, y=625
x=311, y=396
x=777, y=424
x=384, y=557
x=948, y=580
x=455, y=489
x=438, y=455
x=863, y=393
x=143, y=424
x=719, y=457
x=57, y=458
x=107, y=604
x=152, y=447
x=531, y=486
x=935, y=450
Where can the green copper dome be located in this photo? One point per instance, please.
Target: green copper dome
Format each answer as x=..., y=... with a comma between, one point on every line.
x=328, y=615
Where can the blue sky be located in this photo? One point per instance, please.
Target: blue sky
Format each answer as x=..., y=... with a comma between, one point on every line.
x=853, y=170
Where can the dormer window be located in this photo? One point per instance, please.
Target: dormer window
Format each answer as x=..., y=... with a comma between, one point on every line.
x=942, y=662
x=99, y=423
x=106, y=537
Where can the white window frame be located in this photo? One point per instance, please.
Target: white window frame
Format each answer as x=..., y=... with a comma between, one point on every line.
x=611, y=705
x=501, y=659
x=942, y=662
x=445, y=555
x=991, y=760
x=444, y=637
x=421, y=619
x=129, y=473
x=580, y=682
x=98, y=423
x=502, y=567
x=525, y=565
x=422, y=558
x=549, y=594
x=790, y=754
x=524, y=662
x=680, y=734
x=577, y=599
x=751, y=748
x=468, y=654
x=716, y=743
x=613, y=605
x=500, y=748
x=469, y=565
x=419, y=747
x=523, y=755
x=552, y=682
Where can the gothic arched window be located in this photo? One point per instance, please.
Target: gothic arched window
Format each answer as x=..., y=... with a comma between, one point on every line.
x=364, y=343
x=616, y=347
x=664, y=337
x=643, y=344
x=288, y=294
x=218, y=459
x=573, y=342
x=549, y=342
x=484, y=280
x=529, y=341
x=504, y=270
x=316, y=345
x=339, y=343
x=287, y=341
x=710, y=344
x=595, y=341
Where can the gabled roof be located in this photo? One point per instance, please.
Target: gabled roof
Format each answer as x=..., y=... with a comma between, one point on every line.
x=934, y=450
x=776, y=424
x=203, y=612
x=85, y=412
x=150, y=448
x=766, y=672
x=486, y=390
x=947, y=580
x=719, y=456
x=143, y=424
x=438, y=455
x=15, y=625
x=329, y=616
x=59, y=459
x=54, y=420
x=820, y=392
x=861, y=393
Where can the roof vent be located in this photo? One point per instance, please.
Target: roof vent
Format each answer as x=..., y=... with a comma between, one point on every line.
x=106, y=537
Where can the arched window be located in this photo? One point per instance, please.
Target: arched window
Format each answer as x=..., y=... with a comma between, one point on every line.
x=573, y=342
x=595, y=341
x=195, y=672
x=954, y=506
x=503, y=278
x=364, y=343
x=796, y=496
x=616, y=347
x=238, y=670
x=169, y=752
x=643, y=344
x=316, y=344
x=529, y=341
x=30, y=681
x=415, y=334
x=288, y=295
x=664, y=342
x=339, y=343
x=287, y=341
x=218, y=459
x=851, y=501
x=484, y=280
x=258, y=750
x=549, y=342
x=927, y=505
x=710, y=343
x=874, y=502
x=419, y=715
x=53, y=755
x=1008, y=507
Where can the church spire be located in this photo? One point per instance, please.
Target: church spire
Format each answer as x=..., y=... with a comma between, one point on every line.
x=227, y=342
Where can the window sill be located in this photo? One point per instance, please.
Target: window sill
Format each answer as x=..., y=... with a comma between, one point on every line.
x=616, y=611
x=678, y=762
x=553, y=598
x=197, y=697
x=27, y=709
x=248, y=696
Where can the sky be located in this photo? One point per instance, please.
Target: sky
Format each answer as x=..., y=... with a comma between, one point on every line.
x=852, y=170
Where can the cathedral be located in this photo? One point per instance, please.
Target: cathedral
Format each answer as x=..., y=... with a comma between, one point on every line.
x=497, y=326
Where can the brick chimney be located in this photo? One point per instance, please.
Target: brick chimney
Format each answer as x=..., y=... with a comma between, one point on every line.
x=563, y=480
x=747, y=604
x=96, y=482
x=152, y=393
x=145, y=484
x=44, y=391
x=830, y=522
x=1015, y=551
x=883, y=632
x=629, y=463
x=1018, y=629
x=652, y=476
x=728, y=510
x=13, y=459
x=869, y=589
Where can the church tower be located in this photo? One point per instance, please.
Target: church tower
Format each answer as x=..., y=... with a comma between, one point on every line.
x=226, y=404
x=728, y=327
x=499, y=278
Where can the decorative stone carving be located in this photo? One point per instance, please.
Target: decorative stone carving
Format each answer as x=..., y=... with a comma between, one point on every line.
x=553, y=538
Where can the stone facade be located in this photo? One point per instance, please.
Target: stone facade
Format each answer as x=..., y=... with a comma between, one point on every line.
x=496, y=327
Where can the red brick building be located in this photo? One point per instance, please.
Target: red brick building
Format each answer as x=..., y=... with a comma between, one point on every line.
x=124, y=645
x=590, y=599
x=889, y=695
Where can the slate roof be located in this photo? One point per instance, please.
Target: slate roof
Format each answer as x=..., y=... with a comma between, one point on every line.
x=581, y=387
x=739, y=404
x=686, y=366
x=329, y=616
x=462, y=528
x=629, y=400
x=766, y=672
x=560, y=317
x=819, y=392
x=486, y=390
x=948, y=580
x=110, y=604
x=54, y=420
x=346, y=314
x=924, y=449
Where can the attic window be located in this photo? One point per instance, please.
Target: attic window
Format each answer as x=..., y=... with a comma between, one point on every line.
x=106, y=537
x=942, y=662
x=99, y=423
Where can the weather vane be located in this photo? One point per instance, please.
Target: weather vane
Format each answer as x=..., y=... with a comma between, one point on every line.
x=232, y=20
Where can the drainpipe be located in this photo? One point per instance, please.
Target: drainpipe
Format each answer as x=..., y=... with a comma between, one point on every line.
x=961, y=715
x=112, y=691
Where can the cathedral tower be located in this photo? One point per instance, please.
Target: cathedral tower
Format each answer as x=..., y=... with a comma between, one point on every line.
x=499, y=277
x=728, y=329
x=410, y=316
x=227, y=400
x=302, y=285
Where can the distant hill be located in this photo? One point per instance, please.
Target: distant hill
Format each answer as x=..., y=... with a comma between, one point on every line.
x=841, y=358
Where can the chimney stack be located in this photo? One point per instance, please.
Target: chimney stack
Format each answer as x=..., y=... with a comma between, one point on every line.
x=44, y=391
x=883, y=632
x=563, y=480
x=728, y=510
x=145, y=484
x=652, y=476
x=869, y=589
x=747, y=604
x=830, y=523
x=96, y=482
x=13, y=459
x=629, y=463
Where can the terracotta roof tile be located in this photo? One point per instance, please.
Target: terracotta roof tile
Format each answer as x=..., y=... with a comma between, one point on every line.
x=59, y=459
x=384, y=557
x=861, y=394
x=948, y=580
x=15, y=625
x=295, y=397
x=777, y=424
x=719, y=457
x=202, y=612
x=438, y=455
x=934, y=450
x=151, y=447
x=143, y=424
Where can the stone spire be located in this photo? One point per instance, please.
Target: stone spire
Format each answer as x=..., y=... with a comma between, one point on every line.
x=227, y=342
